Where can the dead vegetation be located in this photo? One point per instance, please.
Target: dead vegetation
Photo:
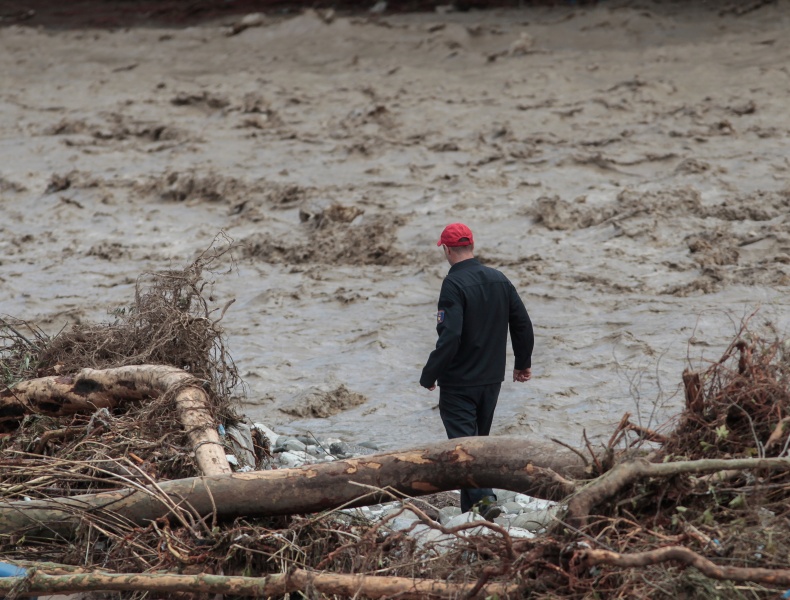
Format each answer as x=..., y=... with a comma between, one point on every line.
x=330, y=238
x=169, y=322
x=321, y=403
x=697, y=511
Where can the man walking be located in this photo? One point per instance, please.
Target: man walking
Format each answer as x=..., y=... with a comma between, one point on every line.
x=477, y=305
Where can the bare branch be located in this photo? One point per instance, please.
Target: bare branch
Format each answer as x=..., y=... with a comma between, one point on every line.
x=687, y=557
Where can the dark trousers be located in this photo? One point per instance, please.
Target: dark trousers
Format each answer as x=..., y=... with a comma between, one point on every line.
x=469, y=411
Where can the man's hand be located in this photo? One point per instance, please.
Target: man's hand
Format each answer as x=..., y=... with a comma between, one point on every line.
x=522, y=375
x=431, y=388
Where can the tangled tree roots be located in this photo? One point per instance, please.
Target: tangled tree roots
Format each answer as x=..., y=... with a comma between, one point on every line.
x=169, y=323
x=739, y=406
x=718, y=485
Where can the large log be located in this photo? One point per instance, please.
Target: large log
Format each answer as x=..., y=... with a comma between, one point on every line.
x=505, y=462
x=92, y=389
x=366, y=586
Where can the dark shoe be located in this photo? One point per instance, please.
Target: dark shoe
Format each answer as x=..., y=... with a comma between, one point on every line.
x=490, y=513
x=488, y=509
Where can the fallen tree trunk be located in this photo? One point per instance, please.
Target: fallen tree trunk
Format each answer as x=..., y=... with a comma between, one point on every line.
x=92, y=389
x=272, y=585
x=687, y=557
x=502, y=462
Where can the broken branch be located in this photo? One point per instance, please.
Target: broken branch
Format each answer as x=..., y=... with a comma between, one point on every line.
x=687, y=557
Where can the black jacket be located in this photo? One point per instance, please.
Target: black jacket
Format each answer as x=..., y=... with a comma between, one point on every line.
x=477, y=304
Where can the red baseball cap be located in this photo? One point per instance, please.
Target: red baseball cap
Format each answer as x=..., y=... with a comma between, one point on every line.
x=456, y=234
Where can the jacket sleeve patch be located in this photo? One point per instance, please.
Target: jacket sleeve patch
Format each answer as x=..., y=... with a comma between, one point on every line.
x=440, y=317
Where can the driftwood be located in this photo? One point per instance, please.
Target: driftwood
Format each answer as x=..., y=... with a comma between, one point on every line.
x=503, y=462
x=92, y=389
x=272, y=585
x=687, y=557
x=624, y=474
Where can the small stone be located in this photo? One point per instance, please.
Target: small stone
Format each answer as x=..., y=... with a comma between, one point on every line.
x=294, y=445
x=431, y=539
x=313, y=450
x=362, y=512
x=289, y=459
x=512, y=508
x=533, y=520
x=376, y=512
x=518, y=532
x=371, y=445
x=437, y=544
x=533, y=503
x=345, y=449
x=423, y=532
x=272, y=437
x=448, y=512
x=503, y=496
x=400, y=523
x=405, y=514
x=344, y=518
x=467, y=517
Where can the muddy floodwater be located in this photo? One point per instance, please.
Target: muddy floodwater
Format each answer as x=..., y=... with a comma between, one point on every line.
x=625, y=164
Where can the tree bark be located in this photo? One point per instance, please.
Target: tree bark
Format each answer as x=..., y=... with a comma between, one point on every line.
x=690, y=558
x=271, y=585
x=504, y=462
x=92, y=389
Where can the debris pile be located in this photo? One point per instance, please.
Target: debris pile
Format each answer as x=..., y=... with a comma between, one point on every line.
x=697, y=510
